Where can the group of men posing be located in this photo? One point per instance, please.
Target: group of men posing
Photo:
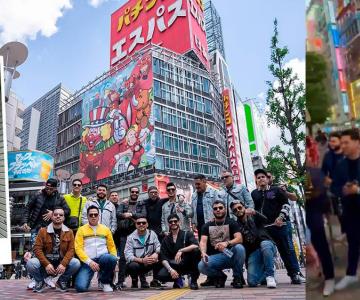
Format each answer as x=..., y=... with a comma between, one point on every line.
x=74, y=237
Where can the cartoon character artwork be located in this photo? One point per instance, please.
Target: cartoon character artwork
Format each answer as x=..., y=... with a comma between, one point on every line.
x=118, y=125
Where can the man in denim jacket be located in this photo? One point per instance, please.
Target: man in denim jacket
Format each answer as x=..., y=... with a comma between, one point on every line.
x=238, y=190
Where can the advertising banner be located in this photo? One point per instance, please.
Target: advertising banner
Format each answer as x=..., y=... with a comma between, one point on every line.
x=177, y=25
x=30, y=166
x=232, y=137
x=117, y=123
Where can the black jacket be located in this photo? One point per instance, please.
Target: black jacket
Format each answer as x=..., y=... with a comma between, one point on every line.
x=127, y=226
x=153, y=213
x=329, y=163
x=38, y=205
x=253, y=232
x=272, y=203
x=169, y=248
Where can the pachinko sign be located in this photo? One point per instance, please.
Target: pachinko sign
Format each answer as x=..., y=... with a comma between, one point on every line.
x=231, y=137
x=177, y=25
x=30, y=166
x=117, y=124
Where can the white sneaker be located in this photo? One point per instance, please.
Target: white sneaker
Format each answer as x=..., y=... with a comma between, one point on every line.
x=107, y=288
x=51, y=281
x=270, y=282
x=31, y=285
x=329, y=287
x=345, y=282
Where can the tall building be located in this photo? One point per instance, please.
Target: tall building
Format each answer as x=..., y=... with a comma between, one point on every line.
x=14, y=123
x=256, y=129
x=41, y=120
x=214, y=34
x=321, y=19
x=348, y=18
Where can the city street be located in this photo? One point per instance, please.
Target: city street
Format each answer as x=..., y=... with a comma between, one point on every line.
x=16, y=289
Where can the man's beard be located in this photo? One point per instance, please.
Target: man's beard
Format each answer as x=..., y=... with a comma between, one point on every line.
x=101, y=196
x=220, y=217
x=132, y=199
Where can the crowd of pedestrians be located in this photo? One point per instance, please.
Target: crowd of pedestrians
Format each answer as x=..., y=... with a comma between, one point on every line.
x=74, y=237
x=333, y=178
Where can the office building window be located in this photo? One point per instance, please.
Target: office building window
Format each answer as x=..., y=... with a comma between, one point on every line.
x=158, y=139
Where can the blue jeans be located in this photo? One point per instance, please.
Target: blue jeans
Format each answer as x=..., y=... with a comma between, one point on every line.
x=107, y=263
x=261, y=263
x=293, y=258
x=219, y=262
x=38, y=272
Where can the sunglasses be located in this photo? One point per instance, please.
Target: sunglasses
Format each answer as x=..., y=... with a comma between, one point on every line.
x=218, y=208
x=154, y=192
x=238, y=208
x=48, y=187
x=224, y=177
x=93, y=215
x=173, y=221
x=76, y=184
x=140, y=223
x=171, y=190
x=58, y=215
x=134, y=192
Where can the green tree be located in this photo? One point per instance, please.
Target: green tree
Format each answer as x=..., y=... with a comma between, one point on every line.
x=286, y=101
x=317, y=88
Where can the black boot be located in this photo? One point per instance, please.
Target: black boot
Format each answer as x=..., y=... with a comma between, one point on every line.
x=193, y=283
x=237, y=283
x=208, y=282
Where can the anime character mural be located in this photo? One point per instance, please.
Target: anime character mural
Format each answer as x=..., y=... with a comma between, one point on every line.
x=117, y=123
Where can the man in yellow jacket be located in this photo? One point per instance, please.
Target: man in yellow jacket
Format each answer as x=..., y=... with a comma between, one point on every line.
x=95, y=247
x=76, y=203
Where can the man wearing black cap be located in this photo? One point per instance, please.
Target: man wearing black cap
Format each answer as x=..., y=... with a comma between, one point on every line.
x=39, y=209
x=272, y=202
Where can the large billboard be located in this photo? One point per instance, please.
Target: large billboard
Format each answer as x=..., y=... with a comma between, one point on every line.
x=117, y=123
x=178, y=25
x=232, y=136
x=30, y=166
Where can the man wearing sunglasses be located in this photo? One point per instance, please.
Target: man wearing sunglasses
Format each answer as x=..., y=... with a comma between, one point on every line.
x=95, y=247
x=142, y=253
x=272, y=202
x=178, y=206
x=260, y=249
x=232, y=191
x=106, y=208
x=76, y=203
x=221, y=249
x=54, y=253
x=179, y=254
x=126, y=213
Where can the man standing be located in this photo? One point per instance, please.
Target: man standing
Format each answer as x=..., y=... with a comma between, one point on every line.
x=175, y=205
x=106, y=208
x=76, y=203
x=54, y=253
x=95, y=247
x=260, y=249
x=232, y=191
x=127, y=212
x=201, y=202
x=180, y=255
x=272, y=202
x=345, y=185
x=40, y=208
x=220, y=248
x=142, y=253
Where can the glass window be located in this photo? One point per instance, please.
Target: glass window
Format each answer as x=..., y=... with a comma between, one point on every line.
x=157, y=89
x=177, y=164
x=205, y=169
x=208, y=108
x=201, y=128
x=195, y=149
x=193, y=126
x=174, y=120
x=157, y=112
x=188, y=166
x=176, y=144
x=196, y=167
x=184, y=123
x=212, y=151
x=205, y=85
x=158, y=139
x=204, y=151
x=159, y=162
x=156, y=65
x=167, y=143
x=171, y=163
x=186, y=147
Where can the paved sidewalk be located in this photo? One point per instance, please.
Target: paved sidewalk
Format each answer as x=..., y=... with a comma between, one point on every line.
x=16, y=289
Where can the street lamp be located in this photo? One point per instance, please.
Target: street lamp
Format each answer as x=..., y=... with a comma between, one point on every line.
x=15, y=54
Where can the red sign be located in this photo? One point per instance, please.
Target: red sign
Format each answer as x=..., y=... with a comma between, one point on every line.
x=231, y=139
x=177, y=25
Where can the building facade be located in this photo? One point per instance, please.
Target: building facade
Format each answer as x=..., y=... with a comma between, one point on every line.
x=40, y=121
x=14, y=123
x=189, y=132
